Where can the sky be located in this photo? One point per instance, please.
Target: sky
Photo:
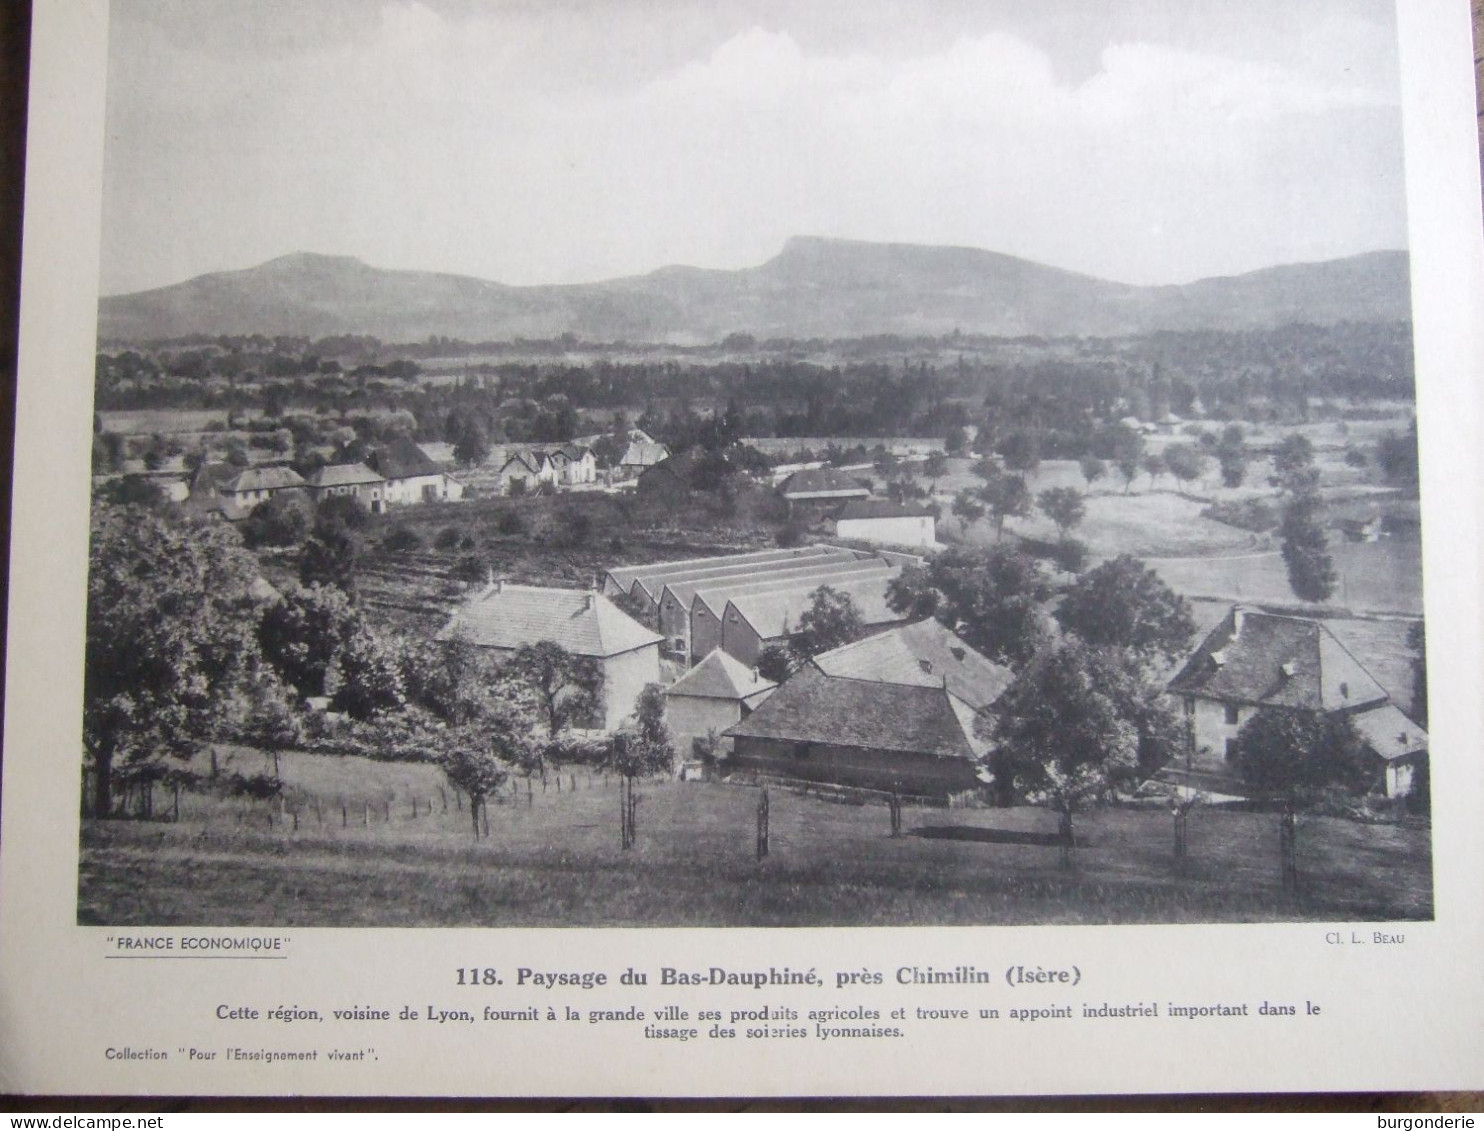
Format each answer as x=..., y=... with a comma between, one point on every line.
x=559, y=141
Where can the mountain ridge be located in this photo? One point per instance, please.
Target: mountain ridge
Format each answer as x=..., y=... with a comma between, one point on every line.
x=815, y=287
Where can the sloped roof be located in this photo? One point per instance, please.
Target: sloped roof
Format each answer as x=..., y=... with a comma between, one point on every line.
x=583, y=622
x=654, y=575
x=686, y=589
x=204, y=503
x=439, y=451
x=643, y=454
x=720, y=676
x=813, y=707
x=821, y=482
x=531, y=461
x=775, y=613
x=924, y=654
x=1389, y=732
x=1276, y=661
x=402, y=459
x=574, y=451
x=342, y=475
x=263, y=479
x=826, y=571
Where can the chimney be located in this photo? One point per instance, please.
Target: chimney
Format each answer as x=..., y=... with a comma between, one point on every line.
x=587, y=600
x=1288, y=669
x=1239, y=614
x=755, y=676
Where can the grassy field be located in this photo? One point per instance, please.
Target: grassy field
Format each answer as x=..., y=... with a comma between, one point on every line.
x=1383, y=577
x=553, y=859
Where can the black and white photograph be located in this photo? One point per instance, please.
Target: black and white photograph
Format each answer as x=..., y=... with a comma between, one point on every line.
x=764, y=464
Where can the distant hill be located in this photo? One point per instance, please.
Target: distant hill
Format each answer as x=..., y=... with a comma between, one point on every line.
x=814, y=288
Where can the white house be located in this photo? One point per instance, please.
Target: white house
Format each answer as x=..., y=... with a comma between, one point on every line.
x=1254, y=661
x=504, y=618
x=353, y=479
x=886, y=523
x=411, y=477
x=717, y=693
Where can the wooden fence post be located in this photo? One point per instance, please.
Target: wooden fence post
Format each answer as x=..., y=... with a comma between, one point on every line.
x=762, y=824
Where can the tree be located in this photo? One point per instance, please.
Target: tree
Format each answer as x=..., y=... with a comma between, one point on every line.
x=1129, y=466
x=1007, y=496
x=831, y=620
x=1092, y=470
x=1293, y=464
x=302, y=631
x=1021, y=451
x=990, y=597
x=1185, y=462
x=170, y=643
x=366, y=676
x=449, y=678
x=1397, y=457
x=478, y=760
x=1153, y=466
x=1311, y=571
x=566, y=688
x=282, y=520
x=1417, y=645
x=955, y=440
x=775, y=662
x=649, y=747
x=967, y=508
x=935, y=466
x=1063, y=506
x=268, y=722
x=472, y=447
x=1231, y=454
x=1297, y=759
x=1123, y=604
x=1064, y=736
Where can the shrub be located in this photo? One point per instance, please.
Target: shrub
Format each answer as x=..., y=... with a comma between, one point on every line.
x=402, y=539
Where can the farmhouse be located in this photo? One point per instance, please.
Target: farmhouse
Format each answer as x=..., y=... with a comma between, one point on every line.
x=529, y=469
x=573, y=465
x=353, y=479
x=715, y=694
x=641, y=454
x=822, y=485
x=411, y=477
x=504, y=618
x=672, y=477
x=1255, y=660
x=860, y=733
x=887, y=523
x=247, y=487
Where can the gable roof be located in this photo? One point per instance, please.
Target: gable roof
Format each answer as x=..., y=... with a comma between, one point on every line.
x=1277, y=661
x=925, y=654
x=652, y=577
x=822, y=483
x=342, y=475
x=1390, y=733
x=883, y=508
x=715, y=594
x=643, y=453
x=402, y=459
x=720, y=676
x=814, y=707
x=262, y=479
x=685, y=589
x=775, y=613
x=581, y=621
x=531, y=461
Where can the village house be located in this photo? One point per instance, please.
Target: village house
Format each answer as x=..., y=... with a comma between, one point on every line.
x=529, y=469
x=504, y=618
x=822, y=485
x=671, y=478
x=244, y=487
x=355, y=480
x=411, y=477
x=717, y=693
x=1254, y=661
x=639, y=455
x=887, y=523
x=573, y=465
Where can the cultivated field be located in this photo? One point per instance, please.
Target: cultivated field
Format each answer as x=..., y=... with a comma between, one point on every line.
x=553, y=859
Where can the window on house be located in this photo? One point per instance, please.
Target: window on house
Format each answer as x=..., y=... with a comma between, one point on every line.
x=1233, y=714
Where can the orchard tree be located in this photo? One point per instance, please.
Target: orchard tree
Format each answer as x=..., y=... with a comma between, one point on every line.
x=1092, y=470
x=1231, y=454
x=990, y=597
x=1064, y=506
x=967, y=508
x=301, y=632
x=366, y=676
x=935, y=466
x=283, y=520
x=1129, y=465
x=830, y=621
x=1311, y=571
x=1294, y=470
x=565, y=688
x=1064, y=736
x=1186, y=462
x=1296, y=759
x=1006, y=496
x=1152, y=466
x=1123, y=604
x=171, y=640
